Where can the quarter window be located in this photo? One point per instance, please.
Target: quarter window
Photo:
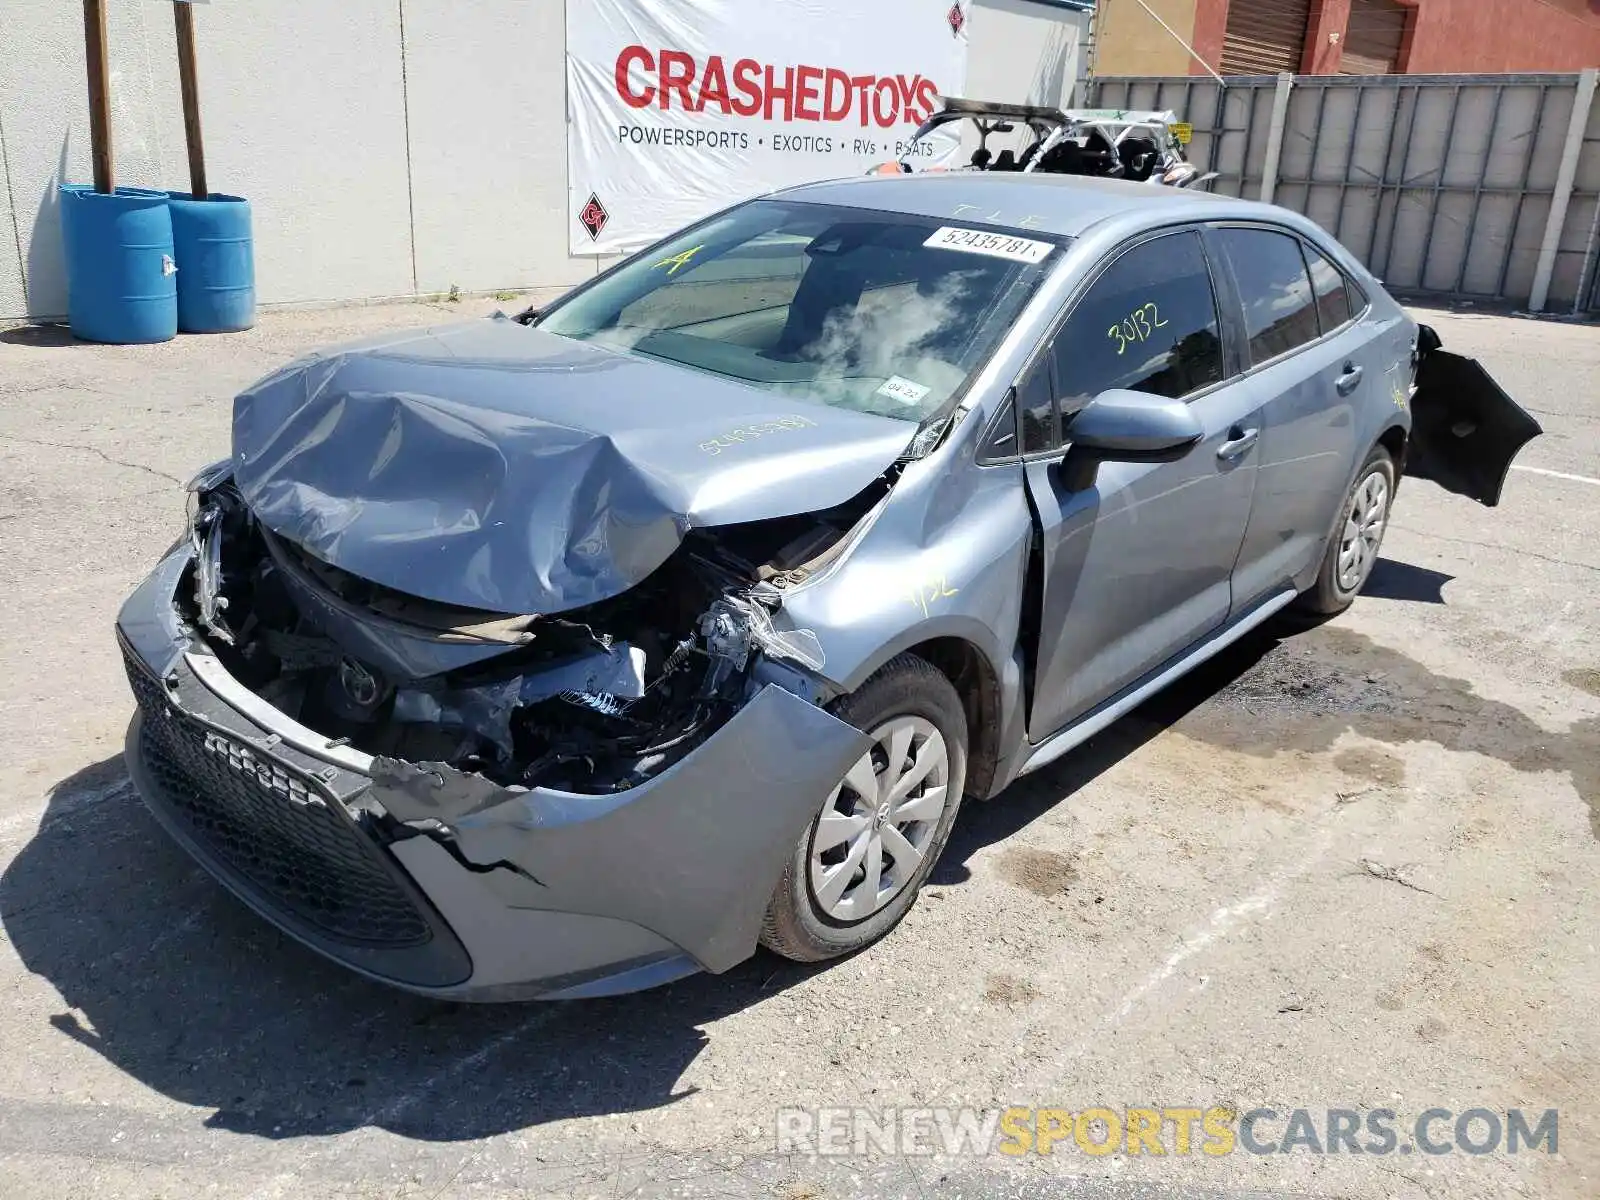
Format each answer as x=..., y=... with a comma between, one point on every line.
x=1332, y=289
x=1280, y=311
x=1148, y=324
x=1036, y=411
x=1003, y=437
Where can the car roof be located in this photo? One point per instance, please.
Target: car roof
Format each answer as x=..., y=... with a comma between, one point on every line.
x=1066, y=205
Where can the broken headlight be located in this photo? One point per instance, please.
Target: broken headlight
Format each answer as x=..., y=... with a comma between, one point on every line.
x=203, y=530
x=205, y=479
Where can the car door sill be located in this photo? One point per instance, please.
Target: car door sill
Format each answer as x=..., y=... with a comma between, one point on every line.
x=1092, y=722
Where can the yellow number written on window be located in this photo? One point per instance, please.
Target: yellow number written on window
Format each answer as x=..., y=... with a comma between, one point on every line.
x=1137, y=326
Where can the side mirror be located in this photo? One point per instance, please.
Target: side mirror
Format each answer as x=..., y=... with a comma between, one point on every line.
x=1120, y=426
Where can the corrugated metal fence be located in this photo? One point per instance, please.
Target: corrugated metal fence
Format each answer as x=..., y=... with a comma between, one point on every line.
x=1470, y=186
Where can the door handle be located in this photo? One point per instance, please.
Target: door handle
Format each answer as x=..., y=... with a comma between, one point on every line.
x=1346, y=383
x=1238, y=443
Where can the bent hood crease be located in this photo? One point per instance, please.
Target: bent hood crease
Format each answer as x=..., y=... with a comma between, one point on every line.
x=493, y=466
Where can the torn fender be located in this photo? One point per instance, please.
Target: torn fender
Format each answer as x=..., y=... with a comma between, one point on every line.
x=692, y=856
x=497, y=467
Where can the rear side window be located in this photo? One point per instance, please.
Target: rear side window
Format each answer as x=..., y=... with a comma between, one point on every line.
x=1334, y=304
x=1148, y=324
x=1280, y=311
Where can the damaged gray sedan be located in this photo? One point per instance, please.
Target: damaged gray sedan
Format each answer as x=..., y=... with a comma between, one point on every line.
x=569, y=654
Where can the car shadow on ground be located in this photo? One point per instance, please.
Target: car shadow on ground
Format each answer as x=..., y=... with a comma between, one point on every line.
x=1033, y=795
x=1392, y=579
x=171, y=980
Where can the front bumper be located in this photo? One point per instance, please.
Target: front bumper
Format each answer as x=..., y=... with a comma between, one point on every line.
x=444, y=883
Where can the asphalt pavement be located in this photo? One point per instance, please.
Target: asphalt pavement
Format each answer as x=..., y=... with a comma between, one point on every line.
x=1351, y=867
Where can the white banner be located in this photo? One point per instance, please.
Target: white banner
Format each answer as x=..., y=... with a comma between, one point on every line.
x=677, y=108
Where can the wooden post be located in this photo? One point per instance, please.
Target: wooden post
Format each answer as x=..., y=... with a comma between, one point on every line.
x=94, y=52
x=188, y=80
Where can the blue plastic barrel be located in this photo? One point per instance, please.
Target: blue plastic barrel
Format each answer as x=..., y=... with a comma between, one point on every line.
x=216, y=263
x=121, y=274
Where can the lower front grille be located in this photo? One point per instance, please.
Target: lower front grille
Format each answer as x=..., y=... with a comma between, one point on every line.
x=274, y=827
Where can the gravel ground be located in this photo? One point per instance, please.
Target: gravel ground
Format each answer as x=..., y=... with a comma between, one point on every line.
x=1351, y=867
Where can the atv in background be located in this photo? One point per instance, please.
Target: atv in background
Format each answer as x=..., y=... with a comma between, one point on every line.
x=1141, y=146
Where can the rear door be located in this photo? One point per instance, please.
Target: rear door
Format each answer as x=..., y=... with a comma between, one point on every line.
x=1135, y=567
x=1465, y=430
x=1312, y=358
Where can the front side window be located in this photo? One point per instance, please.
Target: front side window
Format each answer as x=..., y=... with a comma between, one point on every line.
x=878, y=312
x=1280, y=311
x=1147, y=324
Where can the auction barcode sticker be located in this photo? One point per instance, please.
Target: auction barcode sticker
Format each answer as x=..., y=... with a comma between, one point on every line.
x=995, y=245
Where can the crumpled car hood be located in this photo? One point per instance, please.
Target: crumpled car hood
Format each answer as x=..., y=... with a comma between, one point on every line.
x=491, y=465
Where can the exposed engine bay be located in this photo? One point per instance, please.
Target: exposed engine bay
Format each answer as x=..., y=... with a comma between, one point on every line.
x=593, y=700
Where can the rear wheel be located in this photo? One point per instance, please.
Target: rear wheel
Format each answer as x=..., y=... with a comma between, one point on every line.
x=1357, y=537
x=857, y=869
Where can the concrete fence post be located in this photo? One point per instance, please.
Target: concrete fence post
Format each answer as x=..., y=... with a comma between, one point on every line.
x=1582, y=104
x=1586, y=277
x=1280, y=118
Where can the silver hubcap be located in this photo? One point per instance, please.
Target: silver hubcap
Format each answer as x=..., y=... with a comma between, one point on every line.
x=1363, y=531
x=875, y=828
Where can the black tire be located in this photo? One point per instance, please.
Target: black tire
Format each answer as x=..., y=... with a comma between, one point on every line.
x=795, y=925
x=1326, y=596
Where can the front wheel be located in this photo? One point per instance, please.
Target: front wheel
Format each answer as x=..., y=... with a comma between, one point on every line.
x=857, y=869
x=1357, y=536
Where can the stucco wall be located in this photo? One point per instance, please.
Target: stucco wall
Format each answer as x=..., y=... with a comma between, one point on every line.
x=1023, y=52
x=305, y=116
x=12, y=296
x=44, y=117
x=303, y=112
x=388, y=147
x=1502, y=35
x=356, y=194
x=488, y=144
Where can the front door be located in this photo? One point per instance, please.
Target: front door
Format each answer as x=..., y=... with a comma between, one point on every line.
x=1137, y=566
